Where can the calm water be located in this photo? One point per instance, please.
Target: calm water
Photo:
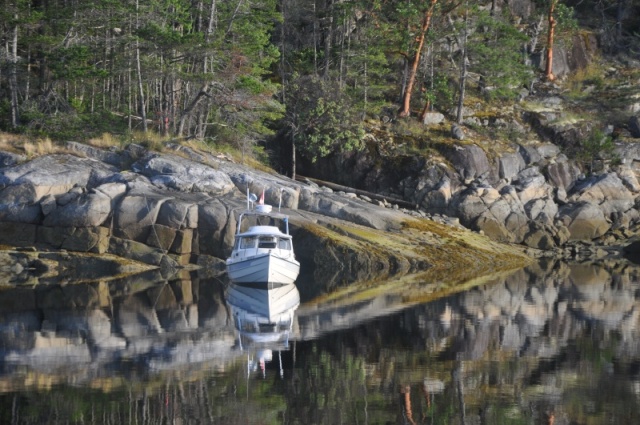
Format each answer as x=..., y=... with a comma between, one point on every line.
x=551, y=344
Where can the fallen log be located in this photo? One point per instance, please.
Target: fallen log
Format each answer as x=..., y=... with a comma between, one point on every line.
x=388, y=199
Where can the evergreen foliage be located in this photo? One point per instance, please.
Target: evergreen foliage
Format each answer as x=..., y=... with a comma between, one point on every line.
x=323, y=119
x=495, y=53
x=594, y=148
x=238, y=71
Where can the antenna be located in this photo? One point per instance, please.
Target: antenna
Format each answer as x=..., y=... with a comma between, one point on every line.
x=280, y=200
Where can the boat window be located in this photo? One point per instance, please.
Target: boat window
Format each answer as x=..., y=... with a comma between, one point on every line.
x=284, y=244
x=267, y=242
x=248, y=242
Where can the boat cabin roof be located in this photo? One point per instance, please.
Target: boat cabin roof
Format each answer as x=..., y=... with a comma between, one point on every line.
x=263, y=231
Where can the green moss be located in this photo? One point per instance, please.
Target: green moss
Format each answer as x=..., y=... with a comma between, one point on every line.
x=423, y=255
x=430, y=226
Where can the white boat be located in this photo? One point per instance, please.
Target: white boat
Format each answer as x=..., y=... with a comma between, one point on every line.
x=263, y=316
x=263, y=254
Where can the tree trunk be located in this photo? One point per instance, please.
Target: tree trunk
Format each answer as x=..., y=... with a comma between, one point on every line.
x=463, y=72
x=552, y=25
x=537, y=29
x=233, y=18
x=212, y=21
x=427, y=103
x=327, y=42
x=129, y=97
x=425, y=110
x=187, y=111
x=13, y=77
x=341, y=65
x=365, y=78
x=143, y=112
x=426, y=22
x=407, y=411
x=200, y=126
x=620, y=14
x=315, y=40
x=293, y=156
x=199, y=20
x=27, y=84
x=283, y=77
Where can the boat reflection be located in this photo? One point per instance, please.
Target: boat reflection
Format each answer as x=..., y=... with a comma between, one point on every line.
x=264, y=319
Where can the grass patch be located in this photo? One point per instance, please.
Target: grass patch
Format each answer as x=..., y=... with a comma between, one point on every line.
x=105, y=141
x=40, y=147
x=591, y=75
x=570, y=118
x=150, y=140
x=11, y=142
x=430, y=227
x=537, y=107
x=451, y=255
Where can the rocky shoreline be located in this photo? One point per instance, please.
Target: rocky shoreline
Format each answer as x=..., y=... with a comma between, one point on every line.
x=518, y=175
x=178, y=209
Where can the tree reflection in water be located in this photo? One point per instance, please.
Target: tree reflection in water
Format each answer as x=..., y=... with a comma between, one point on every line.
x=554, y=343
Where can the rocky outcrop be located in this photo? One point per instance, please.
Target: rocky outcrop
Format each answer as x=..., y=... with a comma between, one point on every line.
x=550, y=197
x=180, y=209
x=529, y=194
x=550, y=171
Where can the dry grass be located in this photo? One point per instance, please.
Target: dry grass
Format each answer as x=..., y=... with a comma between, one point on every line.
x=40, y=147
x=150, y=140
x=196, y=144
x=11, y=142
x=105, y=141
x=31, y=148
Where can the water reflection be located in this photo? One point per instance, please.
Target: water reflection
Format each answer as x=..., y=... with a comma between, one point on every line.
x=264, y=319
x=551, y=343
x=80, y=332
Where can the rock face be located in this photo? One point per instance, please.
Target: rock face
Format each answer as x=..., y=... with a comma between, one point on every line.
x=634, y=126
x=529, y=194
x=546, y=198
x=166, y=209
x=172, y=209
x=177, y=209
x=470, y=162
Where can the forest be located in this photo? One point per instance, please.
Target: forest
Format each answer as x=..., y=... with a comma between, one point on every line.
x=303, y=73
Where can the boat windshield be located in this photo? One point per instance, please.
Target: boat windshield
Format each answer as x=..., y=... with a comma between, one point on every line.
x=248, y=242
x=267, y=242
x=284, y=244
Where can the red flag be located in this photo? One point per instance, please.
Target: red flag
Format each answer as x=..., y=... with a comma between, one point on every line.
x=261, y=200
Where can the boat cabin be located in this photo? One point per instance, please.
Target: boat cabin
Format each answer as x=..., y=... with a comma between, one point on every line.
x=260, y=239
x=267, y=242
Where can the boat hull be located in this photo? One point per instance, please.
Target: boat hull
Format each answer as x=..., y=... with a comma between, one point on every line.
x=270, y=304
x=263, y=270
